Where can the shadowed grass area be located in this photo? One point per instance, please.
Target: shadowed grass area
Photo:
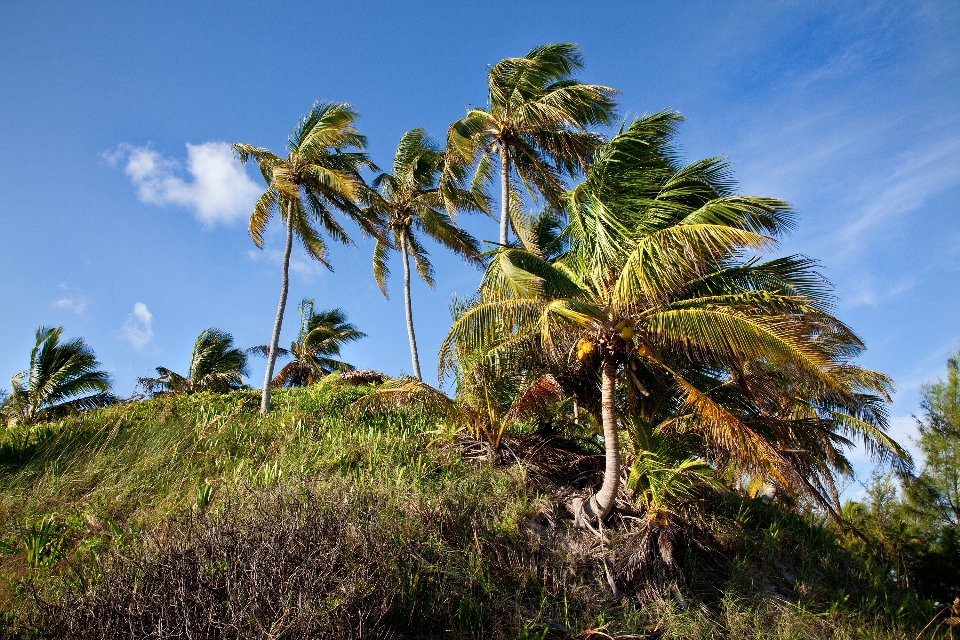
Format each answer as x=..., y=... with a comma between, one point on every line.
x=316, y=521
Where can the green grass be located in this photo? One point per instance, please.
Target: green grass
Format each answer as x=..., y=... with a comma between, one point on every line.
x=452, y=538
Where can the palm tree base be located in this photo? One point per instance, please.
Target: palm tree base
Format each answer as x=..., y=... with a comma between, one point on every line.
x=587, y=511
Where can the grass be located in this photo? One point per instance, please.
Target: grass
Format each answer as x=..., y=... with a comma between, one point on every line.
x=179, y=487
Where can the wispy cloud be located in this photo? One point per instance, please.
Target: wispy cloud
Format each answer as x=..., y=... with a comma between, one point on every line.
x=77, y=305
x=72, y=300
x=219, y=189
x=138, y=328
x=865, y=291
x=921, y=174
x=303, y=266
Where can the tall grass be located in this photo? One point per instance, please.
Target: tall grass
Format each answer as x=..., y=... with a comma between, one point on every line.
x=178, y=490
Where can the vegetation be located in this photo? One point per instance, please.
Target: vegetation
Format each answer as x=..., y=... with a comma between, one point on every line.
x=935, y=492
x=535, y=126
x=648, y=435
x=62, y=377
x=411, y=199
x=908, y=524
x=197, y=515
x=215, y=365
x=737, y=359
x=316, y=349
x=318, y=176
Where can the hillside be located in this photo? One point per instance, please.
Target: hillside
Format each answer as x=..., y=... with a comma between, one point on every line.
x=322, y=521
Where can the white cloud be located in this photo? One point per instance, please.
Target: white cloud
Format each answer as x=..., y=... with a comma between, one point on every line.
x=922, y=174
x=72, y=300
x=219, y=190
x=77, y=305
x=863, y=290
x=138, y=328
x=302, y=265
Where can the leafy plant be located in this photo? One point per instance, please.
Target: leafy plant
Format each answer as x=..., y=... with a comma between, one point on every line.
x=662, y=477
x=535, y=125
x=42, y=542
x=63, y=377
x=480, y=417
x=320, y=175
x=215, y=365
x=316, y=350
x=411, y=200
x=654, y=290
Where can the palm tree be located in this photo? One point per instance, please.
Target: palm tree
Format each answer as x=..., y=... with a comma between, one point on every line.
x=535, y=123
x=411, y=199
x=316, y=350
x=62, y=377
x=319, y=175
x=654, y=289
x=215, y=365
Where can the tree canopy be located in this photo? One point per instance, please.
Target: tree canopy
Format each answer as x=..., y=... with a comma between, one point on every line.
x=62, y=377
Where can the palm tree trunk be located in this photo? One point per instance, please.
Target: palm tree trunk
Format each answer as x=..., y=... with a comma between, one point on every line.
x=607, y=496
x=409, y=307
x=284, y=287
x=504, y=191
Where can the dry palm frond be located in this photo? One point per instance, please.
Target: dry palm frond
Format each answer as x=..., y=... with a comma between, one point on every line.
x=397, y=393
x=362, y=376
x=535, y=398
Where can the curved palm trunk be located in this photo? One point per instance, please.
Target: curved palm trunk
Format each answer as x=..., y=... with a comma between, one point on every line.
x=284, y=287
x=602, y=503
x=406, y=299
x=504, y=192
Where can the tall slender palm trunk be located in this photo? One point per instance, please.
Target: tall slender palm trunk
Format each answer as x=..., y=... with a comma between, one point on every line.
x=600, y=505
x=504, y=191
x=275, y=339
x=607, y=496
x=409, y=307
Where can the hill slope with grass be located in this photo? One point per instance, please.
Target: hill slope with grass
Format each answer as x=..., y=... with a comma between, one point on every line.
x=196, y=517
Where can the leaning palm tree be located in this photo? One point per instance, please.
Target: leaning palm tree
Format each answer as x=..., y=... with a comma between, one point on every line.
x=318, y=176
x=410, y=200
x=654, y=290
x=62, y=377
x=535, y=124
x=316, y=351
x=215, y=365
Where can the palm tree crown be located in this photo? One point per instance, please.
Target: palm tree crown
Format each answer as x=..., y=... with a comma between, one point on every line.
x=409, y=200
x=320, y=175
x=655, y=289
x=62, y=377
x=316, y=351
x=536, y=122
x=215, y=365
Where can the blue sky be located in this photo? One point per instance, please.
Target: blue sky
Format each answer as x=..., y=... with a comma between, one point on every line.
x=124, y=220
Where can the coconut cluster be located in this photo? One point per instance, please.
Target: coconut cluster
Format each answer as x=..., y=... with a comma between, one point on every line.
x=584, y=348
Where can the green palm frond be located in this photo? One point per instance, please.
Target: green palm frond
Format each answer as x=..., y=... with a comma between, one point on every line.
x=62, y=377
x=315, y=353
x=535, y=123
x=414, y=198
x=215, y=365
x=655, y=281
x=319, y=175
x=381, y=270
